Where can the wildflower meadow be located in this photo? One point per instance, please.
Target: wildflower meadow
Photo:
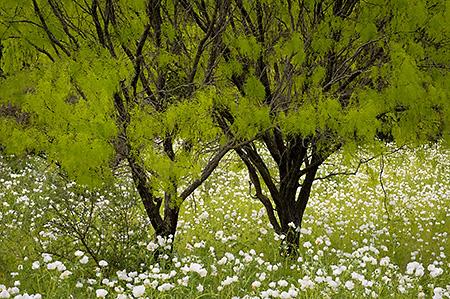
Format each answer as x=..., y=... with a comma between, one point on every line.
x=381, y=233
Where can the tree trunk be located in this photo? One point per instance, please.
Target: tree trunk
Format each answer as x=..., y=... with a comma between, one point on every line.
x=290, y=243
x=166, y=227
x=292, y=211
x=290, y=202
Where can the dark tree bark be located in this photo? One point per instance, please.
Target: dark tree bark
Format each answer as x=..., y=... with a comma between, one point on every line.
x=299, y=56
x=297, y=167
x=295, y=157
x=153, y=86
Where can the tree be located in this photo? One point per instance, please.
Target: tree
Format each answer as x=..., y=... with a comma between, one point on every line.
x=320, y=77
x=90, y=86
x=160, y=82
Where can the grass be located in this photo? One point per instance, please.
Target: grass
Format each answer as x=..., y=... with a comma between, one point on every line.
x=360, y=238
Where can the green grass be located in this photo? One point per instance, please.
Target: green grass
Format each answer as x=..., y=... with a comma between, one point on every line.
x=358, y=240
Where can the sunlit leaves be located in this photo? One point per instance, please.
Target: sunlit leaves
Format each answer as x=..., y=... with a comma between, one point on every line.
x=250, y=120
x=247, y=46
x=311, y=69
x=165, y=58
x=19, y=141
x=73, y=128
x=321, y=39
x=300, y=121
x=254, y=89
x=318, y=75
x=369, y=32
x=229, y=68
x=361, y=119
x=312, y=115
x=190, y=125
x=292, y=47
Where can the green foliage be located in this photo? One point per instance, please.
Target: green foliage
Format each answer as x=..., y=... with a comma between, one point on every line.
x=302, y=120
x=185, y=121
x=65, y=73
x=254, y=90
x=294, y=47
x=346, y=227
x=74, y=131
x=385, y=42
x=247, y=46
x=259, y=121
x=165, y=87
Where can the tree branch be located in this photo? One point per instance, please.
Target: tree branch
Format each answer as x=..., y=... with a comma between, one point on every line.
x=201, y=47
x=109, y=15
x=138, y=57
x=305, y=191
x=263, y=170
x=97, y=24
x=188, y=6
x=63, y=22
x=343, y=68
x=259, y=194
x=151, y=203
x=42, y=51
x=207, y=171
x=47, y=30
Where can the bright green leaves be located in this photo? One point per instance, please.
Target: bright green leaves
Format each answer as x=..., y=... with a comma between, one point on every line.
x=295, y=48
x=19, y=141
x=169, y=31
x=251, y=120
x=10, y=62
x=408, y=16
x=229, y=68
x=415, y=103
x=360, y=120
x=417, y=14
x=301, y=121
x=366, y=24
x=373, y=58
x=254, y=90
x=368, y=32
x=407, y=79
x=187, y=118
x=71, y=113
x=318, y=75
x=186, y=125
x=292, y=47
x=84, y=158
x=18, y=54
x=329, y=113
x=19, y=39
x=247, y=46
x=313, y=114
x=165, y=58
x=321, y=40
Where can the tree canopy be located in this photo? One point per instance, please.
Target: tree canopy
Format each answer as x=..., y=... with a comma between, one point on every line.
x=92, y=86
x=171, y=86
x=323, y=76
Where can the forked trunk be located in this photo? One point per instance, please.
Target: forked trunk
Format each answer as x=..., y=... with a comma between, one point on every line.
x=289, y=197
x=291, y=212
x=164, y=228
x=290, y=215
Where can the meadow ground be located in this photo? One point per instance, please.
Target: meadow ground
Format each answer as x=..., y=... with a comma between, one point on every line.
x=383, y=233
